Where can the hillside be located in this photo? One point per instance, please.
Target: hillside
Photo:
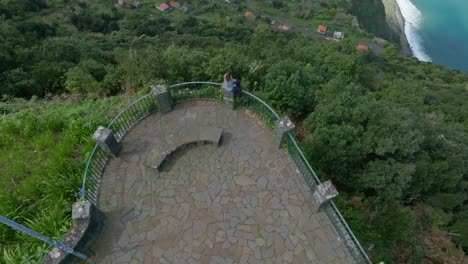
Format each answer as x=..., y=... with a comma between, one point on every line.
x=389, y=131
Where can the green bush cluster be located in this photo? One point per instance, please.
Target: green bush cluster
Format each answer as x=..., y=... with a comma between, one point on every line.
x=388, y=130
x=44, y=145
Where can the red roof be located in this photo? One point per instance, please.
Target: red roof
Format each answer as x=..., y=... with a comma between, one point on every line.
x=362, y=47
x=248, y=14
x=174, y=4
x=163, y=7
x=322, y=28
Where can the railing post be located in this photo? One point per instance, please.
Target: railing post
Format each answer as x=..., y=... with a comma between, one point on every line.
x=283, y=126
x=88, y=223
x=324, y=193
x=106, y=140
x=161, y=93
x=228, y=99
x=56, y=244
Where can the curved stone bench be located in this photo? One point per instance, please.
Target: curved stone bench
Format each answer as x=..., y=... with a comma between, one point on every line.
x=189, y=135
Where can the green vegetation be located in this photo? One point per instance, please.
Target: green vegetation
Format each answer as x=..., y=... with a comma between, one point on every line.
x=44, y=144
x=308, y=13
x=388, y=130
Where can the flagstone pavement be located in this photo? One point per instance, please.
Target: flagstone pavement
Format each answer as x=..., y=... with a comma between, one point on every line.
x=241, y=202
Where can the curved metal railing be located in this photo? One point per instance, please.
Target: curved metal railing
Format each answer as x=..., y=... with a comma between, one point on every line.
x=200, y=90
x=337, y=220
x=195, y=91
x=120, y=125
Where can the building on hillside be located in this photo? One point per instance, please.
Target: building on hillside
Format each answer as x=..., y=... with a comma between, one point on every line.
x=338, y=35
x=163, y=7
x=283, y=27
x=121, y=2
x=175, y=4
x=362, y=47
x=322, y=29
x=249, y=14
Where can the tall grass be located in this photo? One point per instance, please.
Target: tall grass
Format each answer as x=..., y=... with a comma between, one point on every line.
x=43, y=148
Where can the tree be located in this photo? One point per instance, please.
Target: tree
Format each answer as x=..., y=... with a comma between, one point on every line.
x=287, y=85
x=79, y=81
x=460, y=228
x=393, y=223
x=336, y=129
x=388, y=178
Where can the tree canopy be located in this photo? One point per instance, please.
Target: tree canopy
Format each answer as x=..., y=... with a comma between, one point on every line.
x=388, y=130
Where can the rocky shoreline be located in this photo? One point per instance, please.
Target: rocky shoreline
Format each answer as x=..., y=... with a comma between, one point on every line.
x=396, y=22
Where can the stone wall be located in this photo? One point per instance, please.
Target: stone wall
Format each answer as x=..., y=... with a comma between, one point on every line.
x=88, y=222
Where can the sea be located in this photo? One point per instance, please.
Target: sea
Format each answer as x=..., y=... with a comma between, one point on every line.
x=437, y=31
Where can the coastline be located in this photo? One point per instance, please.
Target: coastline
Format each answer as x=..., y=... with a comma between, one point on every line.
x=396, y=22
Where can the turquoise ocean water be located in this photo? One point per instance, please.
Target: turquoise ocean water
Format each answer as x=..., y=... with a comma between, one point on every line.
x=437, y=30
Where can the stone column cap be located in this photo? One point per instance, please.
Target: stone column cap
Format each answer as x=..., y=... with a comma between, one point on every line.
x=55, y=253
x=81, y=210
x=102, y=133
x=158, y=89
x=285, y=123
x=325, y=191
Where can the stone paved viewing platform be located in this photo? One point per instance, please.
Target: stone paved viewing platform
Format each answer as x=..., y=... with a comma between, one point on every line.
x=241, y=202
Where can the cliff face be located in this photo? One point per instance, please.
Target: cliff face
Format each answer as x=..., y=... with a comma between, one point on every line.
x=372, y=18
x=396, y=22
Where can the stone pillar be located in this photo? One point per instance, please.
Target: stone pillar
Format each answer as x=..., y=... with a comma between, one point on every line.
x=88, y=222
x=324, y=193
x=228, y=99
x=87, y=212
x=283, y=126
x=106, y=139
x=163, y=98
x=81, y=210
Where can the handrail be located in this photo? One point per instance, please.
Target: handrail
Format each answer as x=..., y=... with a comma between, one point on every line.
x=196, y=82
x=335, y=211
x=261, y=101
x=317, y=180
x=136, y=111
x=29, y=231
x=343, y=221
x=98, y=159
x=126, y=108
x=83, y=186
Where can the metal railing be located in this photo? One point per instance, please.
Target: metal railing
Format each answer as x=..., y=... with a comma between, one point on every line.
x=146, y=105
x=42, y=237
x=195, y=91
x=257, y=106
x=120, y=125
x=267, y=114
x=346, y=235
x=339, y=223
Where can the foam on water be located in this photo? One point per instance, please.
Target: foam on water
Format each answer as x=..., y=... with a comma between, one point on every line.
x=413, y=20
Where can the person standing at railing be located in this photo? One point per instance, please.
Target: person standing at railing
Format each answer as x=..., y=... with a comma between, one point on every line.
x=232, y=85
x=237, y=88
x=228, y=82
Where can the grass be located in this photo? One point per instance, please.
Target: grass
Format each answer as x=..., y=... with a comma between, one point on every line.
x=44, y=145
